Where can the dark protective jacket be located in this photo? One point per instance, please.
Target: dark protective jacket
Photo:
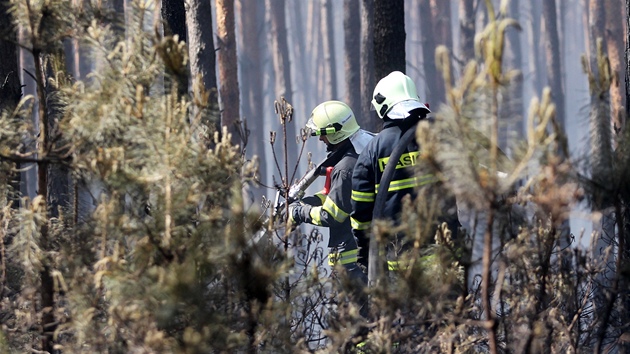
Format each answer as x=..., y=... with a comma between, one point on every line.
x=333, y=210
x=406, y=179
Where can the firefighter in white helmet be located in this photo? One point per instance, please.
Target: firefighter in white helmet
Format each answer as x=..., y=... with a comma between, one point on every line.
x=335, y=124
x=396, y=102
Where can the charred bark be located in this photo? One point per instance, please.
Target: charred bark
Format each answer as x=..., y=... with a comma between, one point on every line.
x=203, y=58
x=434, y=91
x=369, y=120
x=352, y=50
x=251, y=88
x=614, y=43
x=389, y=37
x=552, y=53
x=466, y=31
x=174, y=16
x=228, y=70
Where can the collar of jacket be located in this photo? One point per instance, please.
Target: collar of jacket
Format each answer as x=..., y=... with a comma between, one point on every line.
x=403, y=124
x=340, y=148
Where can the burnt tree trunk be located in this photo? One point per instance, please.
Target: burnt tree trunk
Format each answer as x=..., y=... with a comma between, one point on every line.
x=552, y=53
x=441, y=12
x=174, y=16
x=601, y=163
x=369, y=119
x=466, y=31
x=434, y=91
x=282, y=67
x=627, y=58
x=250, y=68
x=328, y=36
x=614, y=44
x=203, y=58
x=535, y=57
x=352, y=50
x=515, y=89
x=10, y=90
x=228, y=70
x=389, y=37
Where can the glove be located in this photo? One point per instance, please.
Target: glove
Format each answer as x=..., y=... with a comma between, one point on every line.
x=294, y=213
x=295, y=210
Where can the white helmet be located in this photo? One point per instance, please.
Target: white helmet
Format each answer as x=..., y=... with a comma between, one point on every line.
x=395, y=96
x=333, y=119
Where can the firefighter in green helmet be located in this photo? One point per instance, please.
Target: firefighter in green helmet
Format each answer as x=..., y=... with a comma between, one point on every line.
x=396, y=102
x=335, y=125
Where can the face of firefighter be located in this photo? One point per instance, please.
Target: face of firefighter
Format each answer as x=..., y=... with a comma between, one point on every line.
x=329, y=146
x=324, y=138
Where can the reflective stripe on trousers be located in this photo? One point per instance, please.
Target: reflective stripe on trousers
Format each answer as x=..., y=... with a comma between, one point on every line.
x=396, y=265
x=342, y=258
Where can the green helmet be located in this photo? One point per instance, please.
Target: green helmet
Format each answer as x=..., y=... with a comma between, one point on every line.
x=395, y=96
x=333, y=119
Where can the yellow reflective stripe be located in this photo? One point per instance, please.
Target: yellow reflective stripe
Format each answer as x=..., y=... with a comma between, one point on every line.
x=406, y=160
x=346, y=257
x=358, y=225
x=403, y=184
x=409, y=183
x=363, y=196
x=316, y=215
x=334, y=211
x=393, y=265
x=425, y=261
x=426, y=179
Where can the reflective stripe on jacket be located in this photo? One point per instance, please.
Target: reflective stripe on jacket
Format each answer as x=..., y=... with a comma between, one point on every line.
x=334, y=211
x=368, y=172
